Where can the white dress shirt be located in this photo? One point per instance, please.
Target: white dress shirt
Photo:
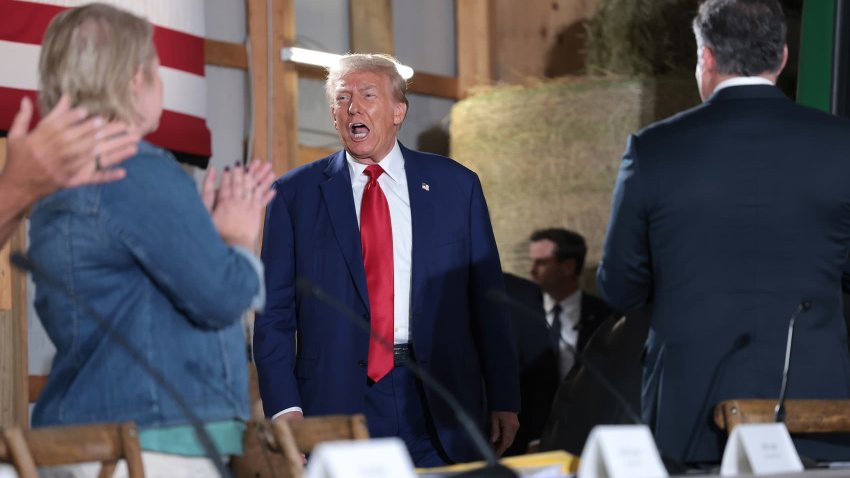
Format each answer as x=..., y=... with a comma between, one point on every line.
x=394, y=184
x=570, y=316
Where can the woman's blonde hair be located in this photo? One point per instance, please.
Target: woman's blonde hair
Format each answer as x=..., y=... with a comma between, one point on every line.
x=91, y=53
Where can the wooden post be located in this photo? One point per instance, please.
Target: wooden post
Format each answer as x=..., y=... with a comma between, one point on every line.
x=475, y=56
x=371, y=24
x=274, y=83
x=14, y=392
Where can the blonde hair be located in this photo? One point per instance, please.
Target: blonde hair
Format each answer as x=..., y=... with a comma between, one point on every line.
x=374, y=62
x=91, y=53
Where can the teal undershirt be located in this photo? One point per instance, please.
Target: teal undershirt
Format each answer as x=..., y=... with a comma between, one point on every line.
x=181, y=439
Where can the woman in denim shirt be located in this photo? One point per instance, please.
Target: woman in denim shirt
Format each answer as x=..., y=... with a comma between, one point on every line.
x=170, y=270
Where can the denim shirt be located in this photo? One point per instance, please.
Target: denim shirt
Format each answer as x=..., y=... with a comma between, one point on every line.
x=143, y=254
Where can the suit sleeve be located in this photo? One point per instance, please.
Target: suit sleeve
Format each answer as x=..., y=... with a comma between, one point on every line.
x=490, y=322
x=274, y=329
x=624, y=277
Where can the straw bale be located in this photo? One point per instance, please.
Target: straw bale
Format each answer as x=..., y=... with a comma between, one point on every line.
x=548, y=154
x=641, y=37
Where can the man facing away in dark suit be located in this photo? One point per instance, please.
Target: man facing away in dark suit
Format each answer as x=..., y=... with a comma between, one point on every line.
x=568, y=317
x=729, y=218
x=403, y=239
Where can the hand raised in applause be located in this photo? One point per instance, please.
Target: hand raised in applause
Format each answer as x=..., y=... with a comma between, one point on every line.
x=237, y=205
x=65, y=150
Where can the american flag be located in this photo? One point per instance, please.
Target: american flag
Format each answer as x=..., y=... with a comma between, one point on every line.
x=179, y=40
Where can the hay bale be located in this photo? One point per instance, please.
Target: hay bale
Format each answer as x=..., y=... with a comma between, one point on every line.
x=548, y=155
x=641, y=37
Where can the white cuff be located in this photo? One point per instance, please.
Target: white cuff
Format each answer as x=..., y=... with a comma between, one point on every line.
x=288, y=410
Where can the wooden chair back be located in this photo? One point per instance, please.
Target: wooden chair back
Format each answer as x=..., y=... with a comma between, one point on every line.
x=294, y=438
x=801, y=416
x=54, y=446
x=260, y=457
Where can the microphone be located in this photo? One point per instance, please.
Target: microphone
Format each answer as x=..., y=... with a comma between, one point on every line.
x=24, y=263
x=673, y=465
x=779, y=410
x=493, y=468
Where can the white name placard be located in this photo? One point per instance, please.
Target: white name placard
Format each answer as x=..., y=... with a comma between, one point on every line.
x=760, y=449
x=376, y=458
x=621, y=451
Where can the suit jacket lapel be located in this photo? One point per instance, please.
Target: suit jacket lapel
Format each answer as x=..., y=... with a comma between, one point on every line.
x=339, y=201
x=585, y=316
x=423, y=220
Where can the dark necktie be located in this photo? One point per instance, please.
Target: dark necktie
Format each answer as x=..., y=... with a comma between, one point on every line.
x=376, y=237
x=555, y=330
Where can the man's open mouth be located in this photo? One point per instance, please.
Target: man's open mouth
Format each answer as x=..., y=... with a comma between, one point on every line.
x=358, y=130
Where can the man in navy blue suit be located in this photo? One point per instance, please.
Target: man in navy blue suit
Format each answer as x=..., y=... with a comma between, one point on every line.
x=727, y=218
x=404, y=240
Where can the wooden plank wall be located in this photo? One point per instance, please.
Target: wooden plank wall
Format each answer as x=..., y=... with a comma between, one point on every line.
x=539, y=39
x=13, y=331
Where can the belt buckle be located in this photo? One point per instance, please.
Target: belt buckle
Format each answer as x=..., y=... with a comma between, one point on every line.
x=401, y=354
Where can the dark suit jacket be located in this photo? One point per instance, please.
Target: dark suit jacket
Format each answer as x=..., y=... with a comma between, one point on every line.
x=458, y=333
x=585, y=398
x=726, y=217
x=539, y=376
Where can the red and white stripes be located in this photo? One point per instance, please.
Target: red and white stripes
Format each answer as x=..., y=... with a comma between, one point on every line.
x=179, y=39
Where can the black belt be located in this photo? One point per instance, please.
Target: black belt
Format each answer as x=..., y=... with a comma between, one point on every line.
x=402, y=353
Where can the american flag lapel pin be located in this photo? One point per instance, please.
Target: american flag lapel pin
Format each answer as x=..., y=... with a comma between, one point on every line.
x=426, y=187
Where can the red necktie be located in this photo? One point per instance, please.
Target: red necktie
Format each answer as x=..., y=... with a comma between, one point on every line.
x=376, y=237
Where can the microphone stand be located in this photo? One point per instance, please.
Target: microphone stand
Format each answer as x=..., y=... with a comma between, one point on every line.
x=493, y=468
x=779, y=410
x=22, y=262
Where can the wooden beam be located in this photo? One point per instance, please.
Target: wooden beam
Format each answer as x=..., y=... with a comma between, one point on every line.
x=434, y=85
x=308, y=154
x=475, y=52
x=13, y=331
x=233, y=55
x=274, y=83
x=371, y=25
x=222, y=53
x=20, y=315
x=422, y=83
x=310, y=71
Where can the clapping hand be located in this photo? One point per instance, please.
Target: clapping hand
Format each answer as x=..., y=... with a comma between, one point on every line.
x=66, y=149
x=237, y=205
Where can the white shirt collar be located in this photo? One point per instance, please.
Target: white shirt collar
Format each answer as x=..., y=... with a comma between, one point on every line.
x=741, y=81
x=572, y=300
x=392, y=164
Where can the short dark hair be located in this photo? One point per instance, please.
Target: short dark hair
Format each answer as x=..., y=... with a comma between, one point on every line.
x=568, y=245
x=746, y=36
